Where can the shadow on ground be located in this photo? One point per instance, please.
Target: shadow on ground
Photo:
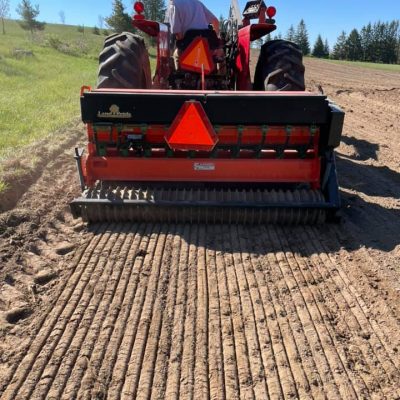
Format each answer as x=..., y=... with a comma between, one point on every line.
x=364, y=150
x=369, y=222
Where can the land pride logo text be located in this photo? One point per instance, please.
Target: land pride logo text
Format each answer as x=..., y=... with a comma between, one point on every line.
x=114, y=113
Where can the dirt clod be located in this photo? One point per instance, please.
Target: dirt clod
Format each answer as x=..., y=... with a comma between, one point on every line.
x=44, y=277
x=17, y=314
x=9, y=279
x=64, y=248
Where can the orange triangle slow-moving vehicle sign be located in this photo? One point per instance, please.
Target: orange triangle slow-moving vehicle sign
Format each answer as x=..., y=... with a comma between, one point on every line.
x=191, y=129
x=197, y=56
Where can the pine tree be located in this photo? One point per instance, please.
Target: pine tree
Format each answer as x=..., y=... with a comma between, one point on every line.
x=326, y=49
x=390, y=42
x=367, y=42
x=353, y=46
x=291, y=34
x=119, y=20
x=154, y=10
x=398, y=49
x=339, y=49
x=302, y=38
x=378, y=33
x=4, y=10
x=28, y=14
x=319, y=50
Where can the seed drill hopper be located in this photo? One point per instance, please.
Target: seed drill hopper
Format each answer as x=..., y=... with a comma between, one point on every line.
x=203, y=140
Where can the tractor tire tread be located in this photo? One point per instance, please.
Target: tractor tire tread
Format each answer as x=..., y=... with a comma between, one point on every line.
x=124, y=63
x=280, y=67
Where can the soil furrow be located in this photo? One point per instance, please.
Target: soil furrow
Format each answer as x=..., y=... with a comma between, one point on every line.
x=277, y=327
x=83, y=253
x=73, y=338
x=189, y=334
x=215, y=341
x=319, y=312
x=147, y=367
x=294, y=311
x=250, y=323
x=265, y=343
x=160, y=375
x=50, y=326
x=368, y=342
x=201, y=371
x=207, y=312
x=308, y=276
x=119, y=374
x=246, y=384
x=136, y=359
x=232, y=386
x=317, y=274
x=73, y=314
x=87, y=367
x=175, y=359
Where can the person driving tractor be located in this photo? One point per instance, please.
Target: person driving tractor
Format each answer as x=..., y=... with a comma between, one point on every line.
x=186, y=15
x=190, y=18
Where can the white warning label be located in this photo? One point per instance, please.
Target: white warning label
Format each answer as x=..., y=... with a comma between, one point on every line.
x=204, y=166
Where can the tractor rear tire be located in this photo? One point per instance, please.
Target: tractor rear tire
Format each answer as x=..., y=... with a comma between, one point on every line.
x=280, y=67
x=124, y=63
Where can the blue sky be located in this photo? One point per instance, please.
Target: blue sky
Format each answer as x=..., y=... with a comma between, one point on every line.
x=327, y=17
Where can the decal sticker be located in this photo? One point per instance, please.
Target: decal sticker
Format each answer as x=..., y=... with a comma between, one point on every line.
x=204, y=166
x=114, y=113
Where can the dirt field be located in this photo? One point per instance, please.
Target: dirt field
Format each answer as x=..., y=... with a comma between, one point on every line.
x=165, y=311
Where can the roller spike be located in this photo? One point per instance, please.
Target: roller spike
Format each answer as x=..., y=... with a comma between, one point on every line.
x=190, y=205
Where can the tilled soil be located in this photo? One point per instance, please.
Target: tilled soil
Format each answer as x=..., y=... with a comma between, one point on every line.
x=195, y=311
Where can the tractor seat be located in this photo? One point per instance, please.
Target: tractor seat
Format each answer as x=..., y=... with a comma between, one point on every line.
x=211, y=36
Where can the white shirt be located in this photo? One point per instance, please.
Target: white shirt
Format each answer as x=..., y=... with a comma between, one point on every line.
x=184, y=15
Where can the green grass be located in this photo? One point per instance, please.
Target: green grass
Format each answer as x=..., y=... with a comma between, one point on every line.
x=40, y=94
x=3, y=186
x=88, y=43
x=382, y=67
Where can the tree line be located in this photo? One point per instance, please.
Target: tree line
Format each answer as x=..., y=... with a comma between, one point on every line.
x=378, y=43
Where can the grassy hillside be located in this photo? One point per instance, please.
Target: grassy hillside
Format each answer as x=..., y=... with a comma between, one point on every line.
x=40, y=84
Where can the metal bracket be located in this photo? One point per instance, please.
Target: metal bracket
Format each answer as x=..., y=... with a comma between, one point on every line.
x=288, y=134
x=264, y=131
x=78, y=158
x=280, y=150
x=236, y=151
x=214, y=152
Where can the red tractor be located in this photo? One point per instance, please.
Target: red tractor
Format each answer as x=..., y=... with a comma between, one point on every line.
x=203, y=141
